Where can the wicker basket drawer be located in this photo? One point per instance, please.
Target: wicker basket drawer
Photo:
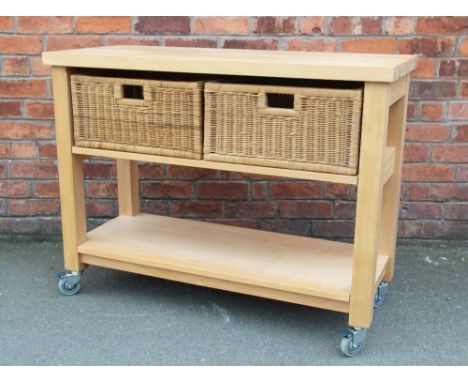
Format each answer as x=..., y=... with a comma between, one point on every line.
x=290, y=127
x=144, y=116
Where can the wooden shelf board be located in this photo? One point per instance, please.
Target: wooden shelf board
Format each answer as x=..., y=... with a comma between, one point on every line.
x=308, y=65
x=316, y=272
x=259, y=170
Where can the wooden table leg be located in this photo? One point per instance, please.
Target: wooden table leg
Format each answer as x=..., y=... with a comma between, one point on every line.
x=127, y=183
x=71, y=177
x=391, y=191
x=369, y=200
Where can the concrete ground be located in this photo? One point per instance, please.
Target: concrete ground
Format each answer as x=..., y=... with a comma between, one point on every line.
x=125, y=319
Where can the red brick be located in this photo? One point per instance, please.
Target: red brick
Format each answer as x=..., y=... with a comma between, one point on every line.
x=31, y=207
x=38, y=68
x=345, y=209
x=313, y=25
x=221, y=25
x=163, y=24
x=294, y=227
x=461, y=133
x=158, y=207
x=72, y=42
x=464, y=89
x=370, y=45
x=294, y=190
x=47, y=150
x=234, y=222
x=151, y=171
x=14, y=189
x=98, y=170
x=41, y=24
x=462, y=173
x=4, y=150
x=100, y=208
x=457, y=211
x=224, y=190
x=447, y=68
x=411, y=112
x=333, y=229
x=458, y=110
x=15, y=66
x=428, y=46
x=432, y=90
x=425, y=68
x=6, y=23
x=20, y=44
x=423, y=172
x=443, y=24
x=101, y=190
x=415, y=191
x=312, y=45
x=309, y=209
x=462, y=69
x=259, y=190
x=49, y=190
x=419, y=210
x=2, y=170
x=23, y=150
x=371, y=25
x=133, y=40
x=463, y=47
x=103, y=24
x=274, y=25
x=22, y=88
x=32, y=169
x=167, y=190
x=427, y=133
x=399, y=25
x=21, y=130
x=416, y=153
x=336, y=191
x=196, y=208
x=9, y=109
x=190, y=173
x=341, y=25
x=432, y=111
x=251, y=44
x=450, y=153
x=255, y=209
x=451, y=191
x=40, y=110
x=191, y=43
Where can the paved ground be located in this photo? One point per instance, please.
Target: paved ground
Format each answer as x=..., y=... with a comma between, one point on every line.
x=124, y=319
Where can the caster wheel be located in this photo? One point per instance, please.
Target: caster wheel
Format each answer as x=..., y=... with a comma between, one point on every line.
x=68, y=289
x=349, y=348
x=352, y=340
x=379, y=298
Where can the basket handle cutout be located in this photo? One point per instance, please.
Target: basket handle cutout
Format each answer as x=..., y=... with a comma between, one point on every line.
x=132, y=91
x=279, y=100
x=280, y=104
x=131, y=94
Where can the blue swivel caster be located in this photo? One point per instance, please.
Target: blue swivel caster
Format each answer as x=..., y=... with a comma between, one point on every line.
x=69, y=282
x=352, y=340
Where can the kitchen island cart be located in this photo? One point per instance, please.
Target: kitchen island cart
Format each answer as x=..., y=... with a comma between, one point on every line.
x=343, y=277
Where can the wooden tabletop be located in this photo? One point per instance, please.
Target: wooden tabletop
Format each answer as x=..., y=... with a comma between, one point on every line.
x=308, y=65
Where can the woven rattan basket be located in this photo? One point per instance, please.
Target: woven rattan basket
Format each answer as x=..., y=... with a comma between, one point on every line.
x=144, y=116
x=290, y=127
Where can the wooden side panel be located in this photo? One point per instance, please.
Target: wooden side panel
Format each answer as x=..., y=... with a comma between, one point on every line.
x=391, y=191
x=127, y=179
x=369, y=201
x=71, y=178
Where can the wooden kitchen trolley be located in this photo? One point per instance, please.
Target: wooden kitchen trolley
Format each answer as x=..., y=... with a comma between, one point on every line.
x=349, y=278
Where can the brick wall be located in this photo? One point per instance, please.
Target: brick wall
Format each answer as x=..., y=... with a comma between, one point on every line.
x=435, y=189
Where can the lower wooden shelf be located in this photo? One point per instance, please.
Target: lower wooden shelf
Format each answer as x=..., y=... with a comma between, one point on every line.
x=301, y=270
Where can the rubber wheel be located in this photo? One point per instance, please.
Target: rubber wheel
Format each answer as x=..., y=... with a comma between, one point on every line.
x=348, y=348
x=378, y=302
x=66, y=290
